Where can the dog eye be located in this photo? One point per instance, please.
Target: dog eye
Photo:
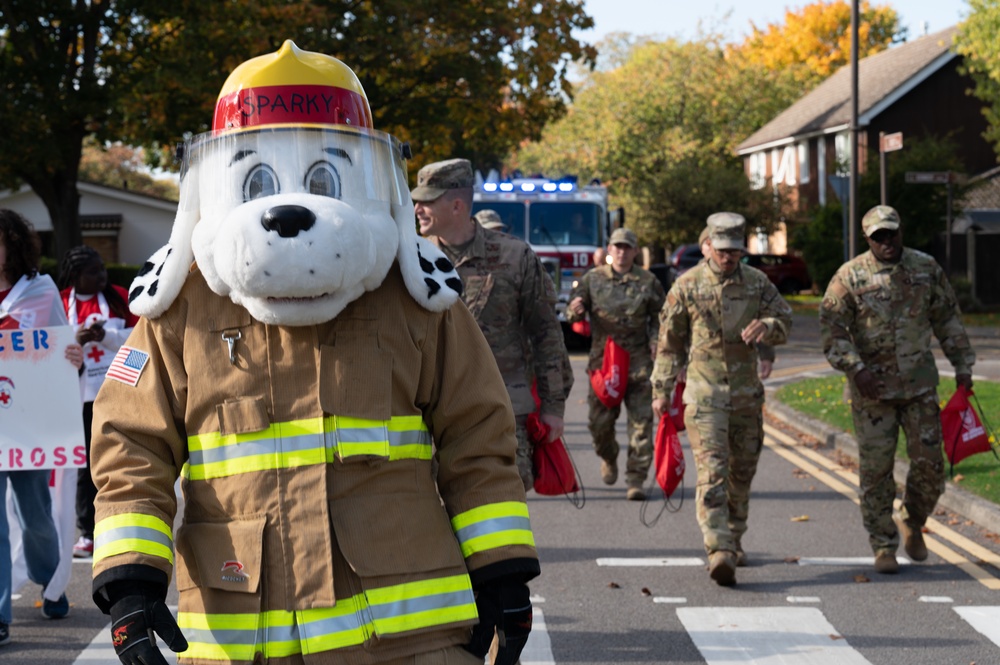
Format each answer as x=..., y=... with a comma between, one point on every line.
x=262, y=181
x=323, y=180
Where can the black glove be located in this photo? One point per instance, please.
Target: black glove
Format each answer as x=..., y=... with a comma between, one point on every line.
x=504, y=609
x=134, y=620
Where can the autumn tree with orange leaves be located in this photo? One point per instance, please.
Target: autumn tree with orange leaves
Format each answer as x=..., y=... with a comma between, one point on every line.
x=815, y=41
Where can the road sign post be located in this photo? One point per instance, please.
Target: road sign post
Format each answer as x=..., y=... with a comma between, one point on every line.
x=887, y=143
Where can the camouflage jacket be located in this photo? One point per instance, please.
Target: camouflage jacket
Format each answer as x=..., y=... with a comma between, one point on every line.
x=513, y=300
x=880, y=316
x=623, y=307
x=700, y=326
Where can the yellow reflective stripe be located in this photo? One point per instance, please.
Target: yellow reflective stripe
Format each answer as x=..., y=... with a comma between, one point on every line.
x=493, y=525
x=306, y=442
x=291, y=428
x=133, y=532
x=382, y=611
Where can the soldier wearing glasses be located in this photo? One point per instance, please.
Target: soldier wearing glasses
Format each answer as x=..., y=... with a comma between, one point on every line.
x=876, y=319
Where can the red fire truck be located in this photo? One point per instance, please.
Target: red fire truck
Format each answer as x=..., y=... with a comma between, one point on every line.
x=562, y=221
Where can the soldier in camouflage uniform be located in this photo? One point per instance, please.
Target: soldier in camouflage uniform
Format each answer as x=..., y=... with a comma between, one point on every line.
x=715, y=316
x=508, y=292
x=876, y=322
x=624, y=302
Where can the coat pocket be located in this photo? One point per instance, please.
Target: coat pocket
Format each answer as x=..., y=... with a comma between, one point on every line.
x=242, y=415
x=223, y=556
x=370, y=530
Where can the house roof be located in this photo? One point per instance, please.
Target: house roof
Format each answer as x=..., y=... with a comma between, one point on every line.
x=882, y=79
x=983, y=192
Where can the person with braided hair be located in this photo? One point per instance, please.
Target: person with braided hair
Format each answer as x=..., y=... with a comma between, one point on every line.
x=99, y=310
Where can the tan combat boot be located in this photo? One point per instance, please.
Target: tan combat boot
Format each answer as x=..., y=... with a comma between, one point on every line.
x=609, y=471
x=722, y=567
x=913, y=540
x=635, y=493
x=885, y=563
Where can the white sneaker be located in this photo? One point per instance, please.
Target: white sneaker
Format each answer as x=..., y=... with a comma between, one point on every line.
x=84, y=548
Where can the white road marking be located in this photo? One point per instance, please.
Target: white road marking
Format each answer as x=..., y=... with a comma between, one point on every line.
x=536, y=599
x=985, y=619
x=651, y=561
x=673, y=600
x=803, y=599
x=935, y=599
x=846, y=561
x=766, y=636
x=100, y=649
x=538, y=650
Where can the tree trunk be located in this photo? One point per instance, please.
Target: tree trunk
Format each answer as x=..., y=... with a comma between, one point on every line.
x=62, y=201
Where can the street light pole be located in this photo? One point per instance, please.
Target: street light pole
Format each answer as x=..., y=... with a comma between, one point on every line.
x=853, y=216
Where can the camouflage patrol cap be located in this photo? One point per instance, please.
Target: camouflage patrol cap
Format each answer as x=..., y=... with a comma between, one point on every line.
x=490, y=219
x=878, y=218
x=727, y=230
x=704, y=236
x=623, y=236
x=437, y=178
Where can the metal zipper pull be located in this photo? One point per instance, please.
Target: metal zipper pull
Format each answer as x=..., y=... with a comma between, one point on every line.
x=231, y=337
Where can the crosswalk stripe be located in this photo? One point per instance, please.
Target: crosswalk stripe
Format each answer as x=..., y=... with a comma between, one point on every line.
x=538, y=650
x=803, y=599
x=845, y=561
x=985, y=619
x=936, y=599
x=651, y=561
x=766, y=636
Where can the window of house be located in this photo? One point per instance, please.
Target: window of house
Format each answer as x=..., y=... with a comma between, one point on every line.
x=803, y=150
x=758, y=169
x=842, y=144
x=783, y=165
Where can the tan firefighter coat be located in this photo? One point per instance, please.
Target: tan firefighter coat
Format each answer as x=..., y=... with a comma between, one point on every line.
x=313, y=526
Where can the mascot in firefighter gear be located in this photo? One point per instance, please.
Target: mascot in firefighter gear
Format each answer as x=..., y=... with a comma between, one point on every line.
x=299, y=366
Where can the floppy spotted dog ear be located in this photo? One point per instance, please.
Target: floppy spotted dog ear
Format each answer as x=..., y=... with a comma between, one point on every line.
x=160, y=279
x=428, y=274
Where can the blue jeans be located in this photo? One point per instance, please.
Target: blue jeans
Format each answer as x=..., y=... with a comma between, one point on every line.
x=33, y=505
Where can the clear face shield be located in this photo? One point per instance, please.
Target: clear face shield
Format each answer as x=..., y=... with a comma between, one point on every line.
x=361, y=167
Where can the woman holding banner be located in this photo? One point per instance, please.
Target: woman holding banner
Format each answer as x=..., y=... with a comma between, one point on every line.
x=28, y=300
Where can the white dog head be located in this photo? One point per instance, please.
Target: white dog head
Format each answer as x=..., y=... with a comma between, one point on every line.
x=293, y=206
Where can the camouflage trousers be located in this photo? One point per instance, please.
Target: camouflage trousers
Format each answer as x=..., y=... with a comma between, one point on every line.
x=726, y=447
x=876, y=425
x=638, y=401
x=525, y=453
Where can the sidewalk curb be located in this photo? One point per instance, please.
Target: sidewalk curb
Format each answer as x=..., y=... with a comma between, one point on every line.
x=963, y=502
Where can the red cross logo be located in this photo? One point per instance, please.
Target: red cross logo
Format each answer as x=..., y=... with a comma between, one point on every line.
x=95, y=353
x=4, y=397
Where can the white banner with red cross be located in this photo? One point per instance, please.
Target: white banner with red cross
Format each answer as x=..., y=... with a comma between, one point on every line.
x=41, y=417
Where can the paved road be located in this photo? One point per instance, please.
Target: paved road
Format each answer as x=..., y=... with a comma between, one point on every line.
x=615, y=591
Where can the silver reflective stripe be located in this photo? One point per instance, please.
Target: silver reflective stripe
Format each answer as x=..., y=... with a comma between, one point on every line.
x=320, y=628
x=362, y=434
x=491, y=526
x=438, y=601
x=410, y=437
x=132, y=532
x=254, y=448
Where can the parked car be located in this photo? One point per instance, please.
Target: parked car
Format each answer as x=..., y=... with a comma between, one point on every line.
x=787, y=272
x=683, y=259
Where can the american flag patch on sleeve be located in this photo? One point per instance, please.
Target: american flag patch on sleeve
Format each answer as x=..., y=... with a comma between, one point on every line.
x=128, y=365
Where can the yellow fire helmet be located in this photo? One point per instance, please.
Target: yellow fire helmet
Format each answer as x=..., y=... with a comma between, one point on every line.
x=291, y=87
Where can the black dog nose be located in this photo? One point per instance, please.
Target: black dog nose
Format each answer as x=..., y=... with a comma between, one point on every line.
x=288, y=221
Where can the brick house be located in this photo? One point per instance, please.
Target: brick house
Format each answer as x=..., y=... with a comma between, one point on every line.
x=914, y=88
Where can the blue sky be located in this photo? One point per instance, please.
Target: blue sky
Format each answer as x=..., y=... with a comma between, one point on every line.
x=679, y=18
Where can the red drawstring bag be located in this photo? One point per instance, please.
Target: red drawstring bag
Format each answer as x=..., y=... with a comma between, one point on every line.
x=555, y=473
x=962, y=429
x=676, y=408
x=609, y=383
x=668, y=456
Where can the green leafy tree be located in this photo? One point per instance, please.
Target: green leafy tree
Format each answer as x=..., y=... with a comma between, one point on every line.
x=465, y=79
x=661, y=130
x=977, y=42
x=119, y=165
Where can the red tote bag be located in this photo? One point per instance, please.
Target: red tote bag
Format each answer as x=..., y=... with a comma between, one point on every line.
x=962, y=429
x=610, y=381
